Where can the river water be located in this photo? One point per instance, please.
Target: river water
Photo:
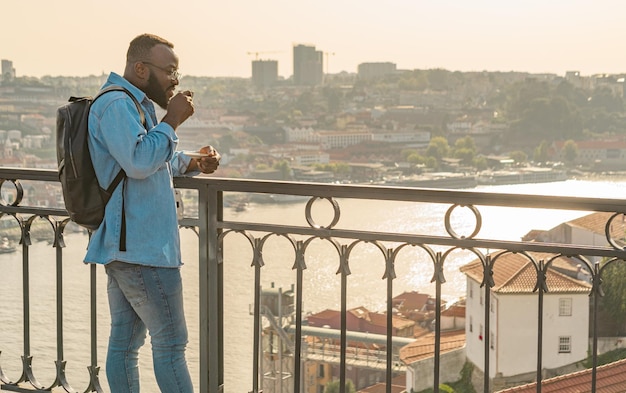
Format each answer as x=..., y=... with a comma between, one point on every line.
x=321, y=283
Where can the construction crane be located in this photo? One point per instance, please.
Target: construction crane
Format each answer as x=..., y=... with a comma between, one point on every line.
x=256, y=54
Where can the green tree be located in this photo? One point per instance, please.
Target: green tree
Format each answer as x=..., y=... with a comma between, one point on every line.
x=614, y=288
x=284, y=168
x=480, y=163
x=432, y=162
x=466, y=155
x=333, y=387
x=406, y=153
x=570, y=151
x=541, y=152
x=415, y=159
x=438, y=148
x=465, y=143
x=518, y=156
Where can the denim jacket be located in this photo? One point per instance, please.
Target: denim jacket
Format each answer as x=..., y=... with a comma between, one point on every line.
x=117, y=138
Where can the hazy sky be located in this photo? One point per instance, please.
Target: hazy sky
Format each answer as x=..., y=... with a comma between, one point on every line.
x=213, y=38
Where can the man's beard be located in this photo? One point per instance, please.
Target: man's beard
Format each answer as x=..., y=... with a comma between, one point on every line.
x=156, y=93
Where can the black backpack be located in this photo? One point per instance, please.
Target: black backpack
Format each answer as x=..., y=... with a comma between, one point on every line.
x=85, y=200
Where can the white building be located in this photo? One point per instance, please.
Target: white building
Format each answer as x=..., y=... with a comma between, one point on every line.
x=300, y=134
x=588, y=230
x=341, y=139
x=310, y=158
x=413, y=138
x=599, y=154
x=513, y=323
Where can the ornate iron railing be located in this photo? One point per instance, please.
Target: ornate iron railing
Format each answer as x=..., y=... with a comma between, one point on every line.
x=213, y=228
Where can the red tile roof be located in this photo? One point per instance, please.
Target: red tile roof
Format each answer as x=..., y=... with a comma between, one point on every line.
x=424, y=346
x=411, y=300
x=610, y=378
x=596, y=223
x=596, y=144
x=456, y=310
x=398, y=385
x=373, y=318
x=515, y=273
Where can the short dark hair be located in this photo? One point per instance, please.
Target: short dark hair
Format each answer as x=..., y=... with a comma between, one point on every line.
x=140, y=46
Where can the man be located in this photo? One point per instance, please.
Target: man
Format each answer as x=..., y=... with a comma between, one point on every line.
x=138, y=241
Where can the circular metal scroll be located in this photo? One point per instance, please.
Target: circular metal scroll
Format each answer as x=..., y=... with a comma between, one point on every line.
x=19, y=191
x=309, y=217
x=477, y=226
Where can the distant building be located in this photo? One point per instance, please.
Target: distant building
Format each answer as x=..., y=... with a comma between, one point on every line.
x=300, y=134
x=419, y=359
x=359, y=319
x=310, y=158
x=411, y=138
x=307, y=65
x=8, y=72
x=264, y=72
x=589, y=230
x=375, y=70
x=340, y=140
x=608, y=154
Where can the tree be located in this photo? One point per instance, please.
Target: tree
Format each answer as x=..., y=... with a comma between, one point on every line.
x=518, y=156
x=466, y=155
x=480, y=163
x=438, y=148
x=570, y=151
x=541, y=152
x=333, y=387
x=614, y=288
x=466, y=142
x=284, y=168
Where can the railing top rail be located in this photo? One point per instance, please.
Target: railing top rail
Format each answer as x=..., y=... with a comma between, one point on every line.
x=410, y=194
x=354, y=191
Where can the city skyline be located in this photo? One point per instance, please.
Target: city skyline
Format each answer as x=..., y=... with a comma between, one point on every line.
x=223, y=39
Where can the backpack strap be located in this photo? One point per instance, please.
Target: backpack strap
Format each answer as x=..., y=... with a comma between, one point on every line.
x=142, y=116
x=121, y=175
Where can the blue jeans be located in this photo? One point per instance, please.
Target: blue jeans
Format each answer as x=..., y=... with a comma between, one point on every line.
x=143, y=298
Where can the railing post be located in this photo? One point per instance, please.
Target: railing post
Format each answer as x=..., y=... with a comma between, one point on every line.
x=210, y=291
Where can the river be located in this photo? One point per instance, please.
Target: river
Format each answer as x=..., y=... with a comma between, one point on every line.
x=321, y=284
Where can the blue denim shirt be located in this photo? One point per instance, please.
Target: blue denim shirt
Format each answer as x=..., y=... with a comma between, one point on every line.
x=117, y=138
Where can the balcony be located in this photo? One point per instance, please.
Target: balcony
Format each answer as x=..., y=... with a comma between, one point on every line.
x=241, y=339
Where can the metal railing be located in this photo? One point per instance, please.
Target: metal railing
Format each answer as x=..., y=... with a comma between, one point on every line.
x=212, y=229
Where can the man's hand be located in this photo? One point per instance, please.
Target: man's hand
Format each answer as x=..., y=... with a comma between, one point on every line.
x=179, y=109
x=206, y=164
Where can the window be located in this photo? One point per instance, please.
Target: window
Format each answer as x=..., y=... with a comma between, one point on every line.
x=471, y=325
x=565, y=344
x=492, y=340
x=565, y=307
x=471, y=290
x=320, y=372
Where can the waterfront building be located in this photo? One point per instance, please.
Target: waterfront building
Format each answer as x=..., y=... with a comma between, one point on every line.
x=341, y=139
x=409, y=138
x=608, y=154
